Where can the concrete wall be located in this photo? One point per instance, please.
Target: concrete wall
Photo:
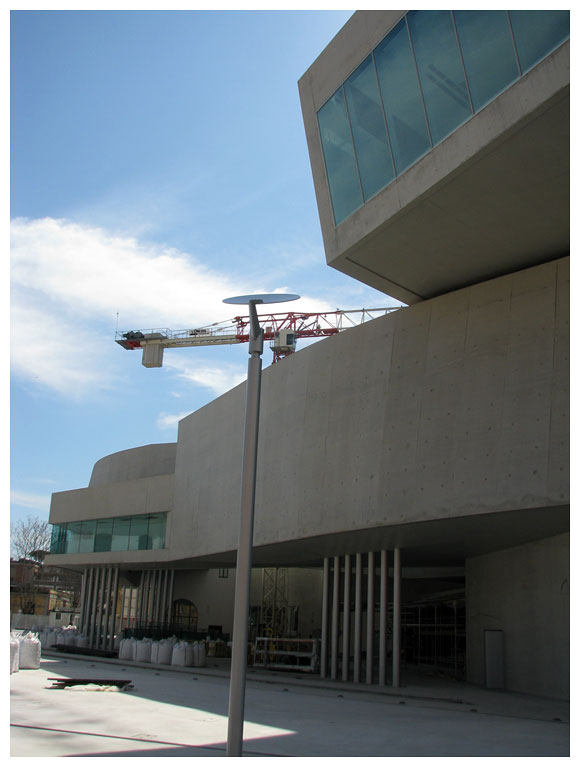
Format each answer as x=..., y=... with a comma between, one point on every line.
x=213, y=596
x=148, y=495
x=455, y=406
x=525, y=592
x=136, y=463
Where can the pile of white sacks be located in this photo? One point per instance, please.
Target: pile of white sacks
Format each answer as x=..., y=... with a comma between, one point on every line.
x=170, y=652
x=24, y=651
x=64, y=635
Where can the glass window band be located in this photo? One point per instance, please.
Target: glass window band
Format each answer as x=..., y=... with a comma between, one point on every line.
x=137, y=533
x=434, y=69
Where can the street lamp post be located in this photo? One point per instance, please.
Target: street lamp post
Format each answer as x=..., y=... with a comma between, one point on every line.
x=244, y=557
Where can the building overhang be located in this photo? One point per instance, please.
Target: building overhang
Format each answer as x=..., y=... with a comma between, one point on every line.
x=490, y=199
x=432, y=543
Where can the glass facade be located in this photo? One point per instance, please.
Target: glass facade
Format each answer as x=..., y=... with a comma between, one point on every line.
x=136, y=533
x=430, y=74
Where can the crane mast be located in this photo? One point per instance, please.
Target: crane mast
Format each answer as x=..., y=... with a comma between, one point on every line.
x=281, y=329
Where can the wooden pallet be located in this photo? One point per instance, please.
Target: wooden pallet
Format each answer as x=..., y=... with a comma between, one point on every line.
x=59, y=683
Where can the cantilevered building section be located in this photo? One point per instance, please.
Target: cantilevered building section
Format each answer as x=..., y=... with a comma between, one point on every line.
x=412, y=495
x=439, y=145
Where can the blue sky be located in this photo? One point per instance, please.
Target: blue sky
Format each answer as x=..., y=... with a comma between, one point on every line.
x=158, y=165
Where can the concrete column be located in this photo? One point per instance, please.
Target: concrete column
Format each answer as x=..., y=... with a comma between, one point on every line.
x=93, y=616
x=383, y=621
x=346, y=620
x=114, y=599
x=370, y=615
x=158, y=575
x=334, y=628
x=324, y=629
x=100, y=605
x=139, y=601
x=163, y=592
x=170, y=603
x=357, y=616
x=86, y=604
x=396, y=617
x=107, y=612
x=146, y=598
x=82, y=599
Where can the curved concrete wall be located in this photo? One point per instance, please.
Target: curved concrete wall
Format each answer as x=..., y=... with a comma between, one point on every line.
x=426, y=414
x=136, y=463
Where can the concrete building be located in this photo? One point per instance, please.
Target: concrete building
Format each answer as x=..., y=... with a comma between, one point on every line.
x=414, y=470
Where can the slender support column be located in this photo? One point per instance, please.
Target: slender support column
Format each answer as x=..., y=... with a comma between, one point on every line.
x=158, y=577
x=87, y=602
x=334, y=626
x=396, y=617
x=93, y=607
x=82, y=599
x=324, y=629
x=346, y=620
x=123, y=598
x=245, y=541
x=357, y=616
x=170, y=602
x=383, y=621
x=107, y=613
x=370, y=615
x=115, y=600
x=139, y=600
x=101, y=605
x=163, y=613
x=130, y=611
x=147, y=597
x=95, y=612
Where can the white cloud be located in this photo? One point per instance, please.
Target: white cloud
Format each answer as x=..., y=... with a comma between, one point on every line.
x=95, y=273
x=54, y=350
x=69, y=280
x=30, y=500
x=170, y=420
x=217, y=379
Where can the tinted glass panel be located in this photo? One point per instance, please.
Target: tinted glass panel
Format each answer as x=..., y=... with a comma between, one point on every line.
x=87, y=538
x=537, y=32
x=58, y=540
x=104, y=535
x=157, y=530
x=440, y=71
x=488, y=53
x=368, y=129
x=337, y=146
x=121, y=527
x=138, y=538
x=402, y=97
x=73, y=537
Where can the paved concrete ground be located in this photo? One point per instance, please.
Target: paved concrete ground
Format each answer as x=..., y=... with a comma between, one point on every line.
x=184, y=713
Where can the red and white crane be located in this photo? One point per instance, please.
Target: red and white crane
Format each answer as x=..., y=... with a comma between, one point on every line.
x=282, y=330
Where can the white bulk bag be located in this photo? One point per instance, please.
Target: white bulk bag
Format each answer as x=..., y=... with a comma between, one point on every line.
x=196, y=646
x=178, y=654
x=201, y=654
x=165, y=651
x=143, y=651
x=189, y=654
x=154, y=651
x=14, y=652
x=126, y=649
x=29, y=654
